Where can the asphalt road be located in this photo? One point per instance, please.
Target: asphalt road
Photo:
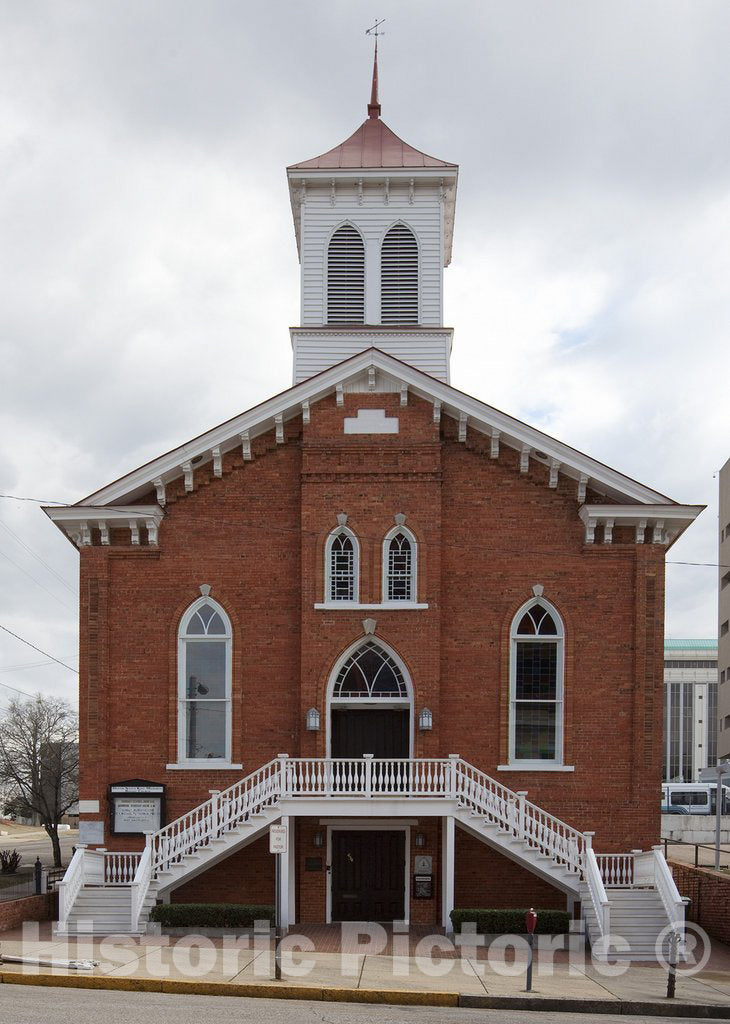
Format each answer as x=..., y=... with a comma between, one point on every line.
x=30, y=1005
x=34, y=843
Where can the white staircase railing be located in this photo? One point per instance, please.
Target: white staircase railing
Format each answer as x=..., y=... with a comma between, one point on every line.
x=526, y=821
x=668, y=891
x=70, y=887
x=222, y=813
x=302, y=778
x=617, y=870
x=140, y=886
x=597, y=891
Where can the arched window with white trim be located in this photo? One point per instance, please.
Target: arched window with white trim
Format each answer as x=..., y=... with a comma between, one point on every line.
x=346, y=277
x=400, y=556
x=342, y=566
x=536, y=685
x=399, y=277
x=204, y=683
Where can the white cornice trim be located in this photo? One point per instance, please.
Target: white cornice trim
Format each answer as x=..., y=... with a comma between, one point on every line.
x=481, y=417
x=77, y=521
x=663, y=522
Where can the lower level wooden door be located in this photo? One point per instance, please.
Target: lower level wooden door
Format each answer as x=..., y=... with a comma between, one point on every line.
x=382, y=732
x=368, y=876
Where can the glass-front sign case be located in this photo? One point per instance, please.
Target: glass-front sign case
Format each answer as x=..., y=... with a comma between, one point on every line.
x=137, y=806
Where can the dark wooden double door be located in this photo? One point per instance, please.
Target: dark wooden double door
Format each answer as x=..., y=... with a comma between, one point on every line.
x=382, y=732
x=368, y=876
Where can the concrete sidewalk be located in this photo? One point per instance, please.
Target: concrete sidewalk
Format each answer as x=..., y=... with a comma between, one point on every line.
x=482, y=978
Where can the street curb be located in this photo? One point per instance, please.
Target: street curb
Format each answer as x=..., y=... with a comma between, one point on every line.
x=548, y=1004
x=393, y=997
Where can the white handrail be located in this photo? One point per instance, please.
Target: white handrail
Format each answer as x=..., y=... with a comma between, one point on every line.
x=617, y=870
x=668, y=891
x=69, y=888
x=140, y=886
x=525, y=820
x=120, y=868
x=222, y=813
x=597, y=892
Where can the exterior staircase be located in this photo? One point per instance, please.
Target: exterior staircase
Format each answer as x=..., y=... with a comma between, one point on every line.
x=628, y=895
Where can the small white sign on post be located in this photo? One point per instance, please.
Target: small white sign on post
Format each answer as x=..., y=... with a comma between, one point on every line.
x=278, y=835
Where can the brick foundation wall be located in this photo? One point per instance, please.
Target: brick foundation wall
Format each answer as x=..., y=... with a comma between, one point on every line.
x=247, y=876
x=487, y=879
x=31, y=908
x=710, y=895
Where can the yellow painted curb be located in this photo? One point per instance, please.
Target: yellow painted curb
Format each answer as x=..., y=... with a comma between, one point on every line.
x=252, y=991
x=95, y=981
x=274, y=990
x=400, y=997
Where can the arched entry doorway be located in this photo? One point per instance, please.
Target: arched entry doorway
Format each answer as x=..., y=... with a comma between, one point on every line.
x=370, y=703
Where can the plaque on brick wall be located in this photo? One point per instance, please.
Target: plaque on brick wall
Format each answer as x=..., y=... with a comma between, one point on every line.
x=313, y=864
x=137, y=806
x=91, y=833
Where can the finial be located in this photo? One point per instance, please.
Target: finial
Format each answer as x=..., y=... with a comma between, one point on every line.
x=374, y=104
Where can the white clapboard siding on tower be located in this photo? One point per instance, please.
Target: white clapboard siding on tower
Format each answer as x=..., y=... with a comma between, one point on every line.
x=427, y=349
x=373, y=218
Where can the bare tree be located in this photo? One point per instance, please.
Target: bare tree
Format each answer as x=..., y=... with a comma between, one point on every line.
x=39, y=760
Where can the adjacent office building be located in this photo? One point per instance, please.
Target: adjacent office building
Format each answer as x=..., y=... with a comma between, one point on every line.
x=690, y=708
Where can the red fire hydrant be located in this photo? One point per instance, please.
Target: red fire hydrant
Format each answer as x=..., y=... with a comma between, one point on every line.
x=530, y=925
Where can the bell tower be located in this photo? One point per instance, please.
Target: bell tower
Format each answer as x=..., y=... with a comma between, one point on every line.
x=374, y=220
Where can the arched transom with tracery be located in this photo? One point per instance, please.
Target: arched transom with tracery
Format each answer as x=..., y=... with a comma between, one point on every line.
x=370, y=673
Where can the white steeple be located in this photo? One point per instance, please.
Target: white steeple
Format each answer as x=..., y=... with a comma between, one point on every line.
x=373, y=219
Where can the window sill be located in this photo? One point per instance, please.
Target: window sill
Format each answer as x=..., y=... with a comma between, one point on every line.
x=203, y=766
x=385, y=606
x=535, y=767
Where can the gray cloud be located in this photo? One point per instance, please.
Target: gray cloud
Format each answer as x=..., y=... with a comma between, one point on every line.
x=149, y=270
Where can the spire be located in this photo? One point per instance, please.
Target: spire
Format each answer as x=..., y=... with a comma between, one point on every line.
x=374, y=104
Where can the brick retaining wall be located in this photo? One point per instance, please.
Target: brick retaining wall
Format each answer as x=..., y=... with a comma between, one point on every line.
x=709, y=891
x=31, y=908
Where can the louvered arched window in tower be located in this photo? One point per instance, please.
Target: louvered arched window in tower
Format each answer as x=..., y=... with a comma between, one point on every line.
x=346, y=277
x=399, y=277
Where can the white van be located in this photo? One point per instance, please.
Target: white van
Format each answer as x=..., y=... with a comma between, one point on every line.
x=693, y=797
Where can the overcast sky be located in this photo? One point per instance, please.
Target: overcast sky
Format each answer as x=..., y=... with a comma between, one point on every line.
x=148, y=269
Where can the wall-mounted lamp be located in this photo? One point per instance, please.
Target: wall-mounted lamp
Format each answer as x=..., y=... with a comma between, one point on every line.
x=420, y=840
x=318, y=839
x=425, y=720
x=313, y=720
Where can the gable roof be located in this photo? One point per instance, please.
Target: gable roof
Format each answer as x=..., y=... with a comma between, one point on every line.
x=615, y=486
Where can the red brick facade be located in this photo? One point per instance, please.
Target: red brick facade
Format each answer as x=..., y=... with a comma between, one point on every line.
x=486, y=534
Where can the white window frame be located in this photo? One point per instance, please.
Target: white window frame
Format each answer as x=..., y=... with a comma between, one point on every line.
x=413, y=597
x=559, y=641
x=183, y=639
x=337, y=602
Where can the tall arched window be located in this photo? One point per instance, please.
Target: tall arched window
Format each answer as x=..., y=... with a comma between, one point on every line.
x=536, y=685
x=346, y=277
x=399, y=565
x=399, y=277
x=204, y=683
x=342, y=566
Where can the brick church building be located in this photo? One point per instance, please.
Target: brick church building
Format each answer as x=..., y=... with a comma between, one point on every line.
x=423, y=635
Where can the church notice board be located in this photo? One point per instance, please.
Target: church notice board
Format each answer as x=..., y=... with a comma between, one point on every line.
x=137, y=806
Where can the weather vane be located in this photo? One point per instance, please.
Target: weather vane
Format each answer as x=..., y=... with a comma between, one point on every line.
x=373, y=30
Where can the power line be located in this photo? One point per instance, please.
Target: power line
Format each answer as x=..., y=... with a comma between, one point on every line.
x=45, y=653
x=38, y=557
x=37, y=501
x=7, y=686
x=23, y=665
x=37, y=582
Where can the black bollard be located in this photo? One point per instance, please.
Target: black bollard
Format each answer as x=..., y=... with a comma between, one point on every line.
x=530, y=923
x=672, y=975
x=38, y=876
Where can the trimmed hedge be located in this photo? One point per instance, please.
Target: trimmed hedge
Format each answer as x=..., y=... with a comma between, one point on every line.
x=211, y=915
x=512, y=922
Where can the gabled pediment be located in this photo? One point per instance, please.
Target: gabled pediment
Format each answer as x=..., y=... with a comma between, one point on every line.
x=372, y=370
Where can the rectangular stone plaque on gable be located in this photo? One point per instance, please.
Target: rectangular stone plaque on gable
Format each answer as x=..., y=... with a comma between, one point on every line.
x=371, y=421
